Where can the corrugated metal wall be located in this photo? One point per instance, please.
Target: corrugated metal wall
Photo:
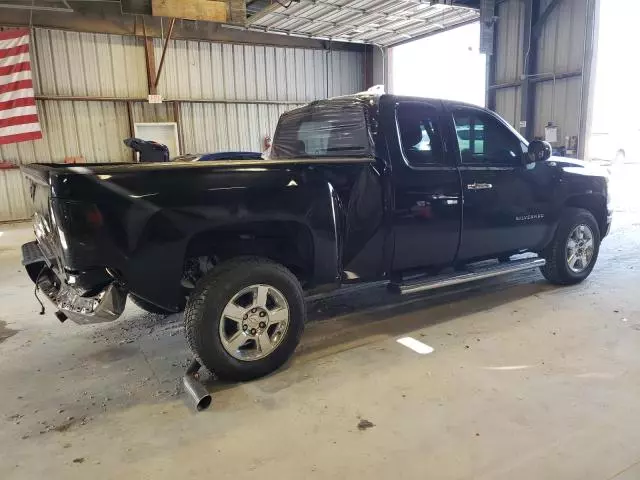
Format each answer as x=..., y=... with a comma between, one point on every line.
x=230, y=97
x=204, y=70
x=231, y=127
x=74, y=128
x=508, y=104
x=508, y=59
x=381, y=65
x=14, y=203
x=71, y=63
x=560, y=51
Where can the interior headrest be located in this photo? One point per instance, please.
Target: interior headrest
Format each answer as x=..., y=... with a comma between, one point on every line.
x=410, y=132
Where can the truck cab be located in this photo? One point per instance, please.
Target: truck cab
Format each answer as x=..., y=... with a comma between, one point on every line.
x=463, y=185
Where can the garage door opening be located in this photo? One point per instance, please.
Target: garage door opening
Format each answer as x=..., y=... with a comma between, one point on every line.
x=615, y=127
x=447, y=66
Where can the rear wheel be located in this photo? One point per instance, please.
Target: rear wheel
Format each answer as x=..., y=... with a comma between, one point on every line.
x=245, y=318
x=574, y=249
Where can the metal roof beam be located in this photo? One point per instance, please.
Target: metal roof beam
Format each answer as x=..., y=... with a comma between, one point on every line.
x=444, y=20
x=294, y=16
x=368, y=11
x=351, y=22
x=366, y=17
x=294, y=34
x=263, y=13
x=363, y=15
x=32, y=6
x=435, y=32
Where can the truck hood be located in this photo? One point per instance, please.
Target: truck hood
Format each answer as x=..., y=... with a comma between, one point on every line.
x=568, y=162
x=578, y=166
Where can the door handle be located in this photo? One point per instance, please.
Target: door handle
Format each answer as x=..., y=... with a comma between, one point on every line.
x=446, y=199
x=479, y=186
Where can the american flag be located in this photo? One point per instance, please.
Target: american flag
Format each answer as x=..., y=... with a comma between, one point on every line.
x=18, y=115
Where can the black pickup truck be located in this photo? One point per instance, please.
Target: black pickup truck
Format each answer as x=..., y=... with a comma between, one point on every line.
x=356, y=189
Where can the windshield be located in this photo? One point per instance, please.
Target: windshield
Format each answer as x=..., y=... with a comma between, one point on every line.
x=333, y=130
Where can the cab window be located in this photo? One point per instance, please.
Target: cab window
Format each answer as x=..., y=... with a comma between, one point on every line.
x=482, y=139
x=419, y=134
x=324, y=130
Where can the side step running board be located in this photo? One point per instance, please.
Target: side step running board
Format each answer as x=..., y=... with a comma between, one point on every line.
x=441, y=281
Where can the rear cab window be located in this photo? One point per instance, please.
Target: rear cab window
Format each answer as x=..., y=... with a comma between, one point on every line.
x=323, y=130
x=419, y=134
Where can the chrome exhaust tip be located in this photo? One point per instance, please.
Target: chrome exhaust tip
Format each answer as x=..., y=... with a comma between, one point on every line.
x=198, y=393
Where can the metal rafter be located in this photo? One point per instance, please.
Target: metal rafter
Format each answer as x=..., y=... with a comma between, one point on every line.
x=30, y=6
x=303, y=19
x=411, y=32
x=429, y=33
x=367, y=11
x=364, y=15
x=357, y=27
x=367, y=16
x=383, y=22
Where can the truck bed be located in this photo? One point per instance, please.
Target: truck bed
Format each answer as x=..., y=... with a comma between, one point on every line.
x=36, y=169
x=143, y=219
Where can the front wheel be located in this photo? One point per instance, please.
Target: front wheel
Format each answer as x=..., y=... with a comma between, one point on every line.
x=574, y=249
x=245, y=318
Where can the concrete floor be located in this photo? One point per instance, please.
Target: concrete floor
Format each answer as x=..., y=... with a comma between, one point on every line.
x=527, y=381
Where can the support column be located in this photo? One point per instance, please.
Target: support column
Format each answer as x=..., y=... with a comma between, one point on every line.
x=526, y=91
x=588, y=75
x=368, y=66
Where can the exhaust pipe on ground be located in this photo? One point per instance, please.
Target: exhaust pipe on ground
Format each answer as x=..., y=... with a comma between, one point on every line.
x=198, y=393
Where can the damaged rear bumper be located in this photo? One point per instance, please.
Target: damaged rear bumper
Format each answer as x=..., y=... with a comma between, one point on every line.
x=104, y=306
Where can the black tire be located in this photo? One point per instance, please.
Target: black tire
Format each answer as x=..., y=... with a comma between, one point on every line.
x=203, y=313
x=557, y=269
x=147, y=306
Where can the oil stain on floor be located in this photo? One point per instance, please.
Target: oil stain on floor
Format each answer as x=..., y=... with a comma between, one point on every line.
x=5, y=332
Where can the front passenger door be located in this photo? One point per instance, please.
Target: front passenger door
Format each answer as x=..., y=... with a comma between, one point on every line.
x=505, y=202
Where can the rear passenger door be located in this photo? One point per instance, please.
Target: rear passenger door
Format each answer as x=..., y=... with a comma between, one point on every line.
x=427, y=204
x=506, y=202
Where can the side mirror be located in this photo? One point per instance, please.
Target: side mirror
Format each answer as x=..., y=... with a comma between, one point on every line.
x=539, y=151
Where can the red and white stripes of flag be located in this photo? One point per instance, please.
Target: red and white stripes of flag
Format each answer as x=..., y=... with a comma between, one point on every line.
x=18, y=115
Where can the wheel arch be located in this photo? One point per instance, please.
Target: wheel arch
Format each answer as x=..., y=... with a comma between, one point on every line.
x=595, y=204
x=289, y=243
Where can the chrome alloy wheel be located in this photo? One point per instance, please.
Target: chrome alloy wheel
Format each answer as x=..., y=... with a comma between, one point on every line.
x=254, y=322
x=580, y=248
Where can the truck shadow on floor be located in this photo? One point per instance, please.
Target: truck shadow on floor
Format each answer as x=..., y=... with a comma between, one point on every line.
x=340, y=323
x=413, y=313
x=144, y=356
x=363, y=309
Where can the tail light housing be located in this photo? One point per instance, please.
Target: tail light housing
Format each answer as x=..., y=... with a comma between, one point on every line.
x=79, y=219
